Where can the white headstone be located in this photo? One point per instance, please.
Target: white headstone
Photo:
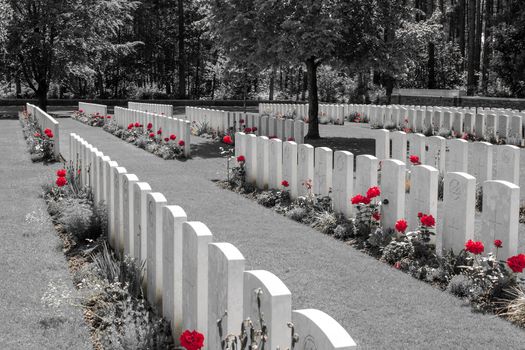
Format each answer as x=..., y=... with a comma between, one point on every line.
x=263, y=154
x=423, y=194
x=508, y=164
x=457, y=156
x=290, y=167
x=251, y=158
x=343, y=182
x=399, y=145
x=436, y=152
x=305, y=168
x=365, y=173
x=128, y=181
x=155, y=202
x=480, y=165
x=323, y=171
x=275, y=171
x=393, y=178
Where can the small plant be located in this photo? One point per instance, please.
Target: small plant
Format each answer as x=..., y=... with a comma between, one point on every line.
x=368, y=211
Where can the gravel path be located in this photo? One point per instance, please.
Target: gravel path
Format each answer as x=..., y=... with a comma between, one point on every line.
x=32, y=258
x=382, y=308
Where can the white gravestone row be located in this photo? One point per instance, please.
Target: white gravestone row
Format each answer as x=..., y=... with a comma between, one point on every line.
x=93, y=109
x=193, y=281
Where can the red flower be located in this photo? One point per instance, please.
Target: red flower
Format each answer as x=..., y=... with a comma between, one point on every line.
x=227, y=139
x=181, y=143
x=291, y=139
x=137, y=125
x=159, y=132
x=61, y=173
x=166, y=139
x=108, y=117
x=357, y=199
x=241, y=121
x=285, y=183
x=150, y=126
x=81, y=111
x=376, y=216
x=247, y=130
x=498, y=243
x=419, y=215
x=401, y=226
x=373, y=192
x=173, y=137
x=130, y=126
x=428, y=220
x=474, y=247
x=191, y=340
x=366, y=200
x=397, y=265
x=414, y=160
x=61, y=181
x=48, y=133
x=241, y=159
x=254, y=129
x=516, y=263
x=152, y=135
x=37, y=134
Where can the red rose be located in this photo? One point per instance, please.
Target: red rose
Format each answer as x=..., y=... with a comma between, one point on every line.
x=419, y=215
x=152, y=135
x=428, y=220
x=247, y=130
x=37, y=134
x=47, y=131
x=414, y=160
x=373, y=192
x=150, y=126
x=181, y=143
x=227, y=139
x=397, y=265
x=191, y=340
x=516, y=263
x=159, y=132
x=81, y=111
x=474, y=247
x=254, y=129
x=108, y=117
x=166, y=139
x=376, y=216
x=401, y=226
x=498, y=243
x=137, y=125
x=241, y=159
x=98, y=113
x=366, y=200
x=130, y=126
x=173, y=137
x=61, y=181
x=285, y=183
x=61, y=173
x=241, y=121
x=357, y=199
x=291, y=139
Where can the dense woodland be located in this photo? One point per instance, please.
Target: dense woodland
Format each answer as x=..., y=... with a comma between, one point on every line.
x=331, y=50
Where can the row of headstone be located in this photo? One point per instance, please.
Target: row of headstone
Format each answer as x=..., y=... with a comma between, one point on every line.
x=328, y=113
x=45, y=121
x=189, y=279
x=448, y=155
x=154, y=108
x=490, y=124
x=328, y=173
x=93, y=109
x=168, y=125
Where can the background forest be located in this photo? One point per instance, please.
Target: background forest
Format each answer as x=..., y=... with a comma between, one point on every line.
x=340, y=50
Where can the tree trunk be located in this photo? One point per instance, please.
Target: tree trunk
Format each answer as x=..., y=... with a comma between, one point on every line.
x=41, y=94
x=477, y=44
x=471, y=78
x=461, y=26
x=18, y=85
x=313, y=100
x=486, y=45
x=431, y=64
x=182, y=56
x=272, y=84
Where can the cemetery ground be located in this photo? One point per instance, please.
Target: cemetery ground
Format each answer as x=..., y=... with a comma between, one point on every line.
x=379, y=306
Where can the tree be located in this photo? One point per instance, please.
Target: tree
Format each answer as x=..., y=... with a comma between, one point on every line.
x=51, y=39
x=5, y=18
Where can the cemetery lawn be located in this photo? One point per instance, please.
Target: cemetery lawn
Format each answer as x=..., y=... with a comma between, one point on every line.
x=379, y=306
x=32, y=258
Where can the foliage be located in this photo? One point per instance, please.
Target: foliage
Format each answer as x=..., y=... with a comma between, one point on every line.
x=92, y=119
x=40, y=144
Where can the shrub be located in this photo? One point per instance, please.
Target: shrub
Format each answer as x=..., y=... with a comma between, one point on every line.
x=396, y=251
x=325, y=222
x=343, y=231
x=297, y=214
x=460, y=286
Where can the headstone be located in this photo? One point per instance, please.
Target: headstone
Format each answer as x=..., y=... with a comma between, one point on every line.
x=343, y=182
x=500, y=217
x=382, y=144
x=305, y=168
x=195, y=240
x=251, y=158
x=447, y=120
x=399, y=145
x=289, y=130
x=173, y=218
x=318, y=330
x=515, y=130
x=491, y=127
x=280, y=128
x=392, y=192
x=155, y=202
x=457, y=123
x=264, y=126
x=128, y=181
x=436, y=151
x=503, y=126
x=110, y=195
x=479, y=126
x=468, y=123
x=480, y=165
x=418, y=146
x=276, y=306
x=263, y=154
x=365, y=173
x=423, y=194
x=323, y=171
x=290, y=167
x=225, y=290
x=457, y=156
x=118, y=206
x=508, y=164
x=275, y=170
x=299, y=131
x=459, y=202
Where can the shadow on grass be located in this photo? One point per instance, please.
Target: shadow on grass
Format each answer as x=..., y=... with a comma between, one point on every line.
x=206, y=149
x=356, y=146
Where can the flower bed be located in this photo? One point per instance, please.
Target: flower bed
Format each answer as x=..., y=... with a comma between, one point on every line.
x=110, y=290
x=90, y=119
x=40, y=143
x=489, y=284
x=164, y=146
